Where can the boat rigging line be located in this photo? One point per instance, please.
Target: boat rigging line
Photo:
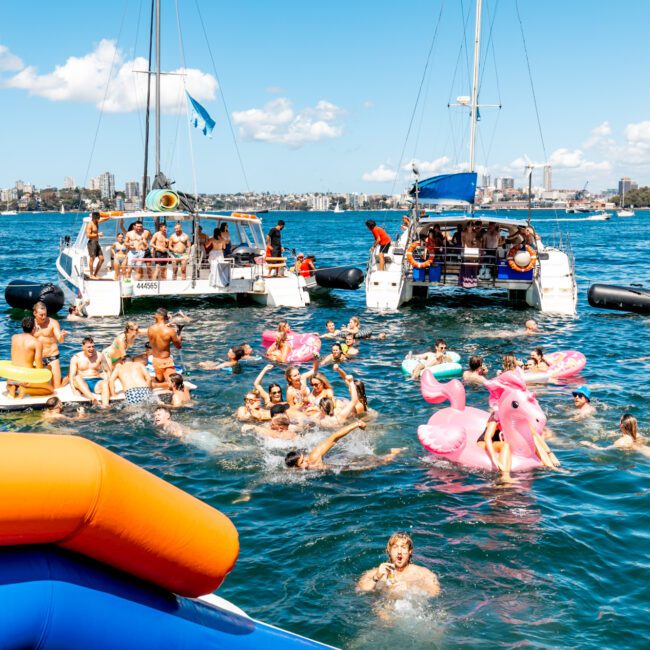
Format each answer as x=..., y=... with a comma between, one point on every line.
x=417, y=99
x=223, y=98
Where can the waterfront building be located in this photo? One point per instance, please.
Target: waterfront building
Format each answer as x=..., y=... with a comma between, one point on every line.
x=132, y=190
x=20, y=185
x=68, y=183
x=548, y=180
x=626, y=184
x=107, y=185
x=93, y=183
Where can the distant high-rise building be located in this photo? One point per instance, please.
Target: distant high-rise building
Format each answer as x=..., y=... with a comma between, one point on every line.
x=107, y=185
x=119, y=203
x=20, y=185
x=507, y=183
x=548, y=179
x=320, y=202
x=626, y=184
x=93, y=183
x=132, y=190
x=485, y=180
x=68, y=183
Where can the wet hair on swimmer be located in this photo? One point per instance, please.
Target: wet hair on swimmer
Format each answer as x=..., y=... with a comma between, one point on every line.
x=177, y=381
x=28, y=324
x=53, y=403
x=629, y=425
x=475, y=363
x=275, y=387
x=327, y=406
x=238, y=352
x=87, y=339
x=292, y=458
x=361, y=393
x=279, y=409
x=400, y=537
x=39, y=305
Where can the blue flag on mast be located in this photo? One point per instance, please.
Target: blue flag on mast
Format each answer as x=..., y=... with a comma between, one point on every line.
x=200, y=118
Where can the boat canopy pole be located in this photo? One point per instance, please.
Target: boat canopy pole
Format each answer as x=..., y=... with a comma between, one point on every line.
x=157, y=87
x=145, y=184
x=530, y=191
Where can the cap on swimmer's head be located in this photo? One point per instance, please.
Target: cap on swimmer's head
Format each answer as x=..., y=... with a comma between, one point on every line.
x=585, y=391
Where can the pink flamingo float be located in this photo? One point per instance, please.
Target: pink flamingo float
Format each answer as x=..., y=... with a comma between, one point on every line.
x=452, y=433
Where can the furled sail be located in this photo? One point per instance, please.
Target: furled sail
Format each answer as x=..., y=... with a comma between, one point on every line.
x=460, y=187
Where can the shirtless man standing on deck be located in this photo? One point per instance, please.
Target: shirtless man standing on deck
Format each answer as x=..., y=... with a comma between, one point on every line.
x=49, y=333
x=159, y=244
x=161, y=336
x=179, y=244
x=27, y=352
x=137, y=241
x=94, y=249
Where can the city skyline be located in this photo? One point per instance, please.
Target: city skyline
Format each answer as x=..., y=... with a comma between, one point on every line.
x=302, y=125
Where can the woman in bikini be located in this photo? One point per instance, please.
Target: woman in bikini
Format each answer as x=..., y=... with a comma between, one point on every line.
x=297, y=389
x=280, y=349
x=118, y=253
x=117, y=350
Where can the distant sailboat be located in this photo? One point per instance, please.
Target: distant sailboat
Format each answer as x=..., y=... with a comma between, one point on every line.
x=337, y=207
x=62, y=209
x=625, y=212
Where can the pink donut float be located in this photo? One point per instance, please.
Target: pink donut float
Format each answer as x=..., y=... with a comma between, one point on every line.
x=565, y=363
x=303, y=346
x=452, y=433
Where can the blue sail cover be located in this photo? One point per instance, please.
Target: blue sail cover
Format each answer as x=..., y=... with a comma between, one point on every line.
x=461, y=187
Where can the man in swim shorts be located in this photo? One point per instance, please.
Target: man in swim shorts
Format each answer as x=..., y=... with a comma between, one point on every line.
x=27, y=352
x=86, y=373
x=159, y=245
x=94, y=249
x=381, y=239
x=399, y=574
x=179, y=244
x=50, y=334
x=161, y=336
x=136, y=381
x=137, y=241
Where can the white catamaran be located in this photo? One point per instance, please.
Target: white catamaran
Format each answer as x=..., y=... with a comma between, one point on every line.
x=243, y=271
x=470, y=250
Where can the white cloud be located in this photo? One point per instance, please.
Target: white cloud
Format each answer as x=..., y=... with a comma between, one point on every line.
x=638, y=134
x=85, y=79
x=574, y=159
x=368, y=104
x=381, y=174
x=9, y=62
x=600, y=136
x=426, y=167
x=277, y=122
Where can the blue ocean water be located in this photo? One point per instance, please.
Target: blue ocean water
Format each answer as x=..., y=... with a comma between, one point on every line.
x=557, y=560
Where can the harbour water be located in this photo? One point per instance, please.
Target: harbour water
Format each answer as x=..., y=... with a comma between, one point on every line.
x=557, y=560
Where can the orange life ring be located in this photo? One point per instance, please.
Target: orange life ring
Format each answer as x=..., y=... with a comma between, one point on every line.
x=511, y=259
x=413, y=262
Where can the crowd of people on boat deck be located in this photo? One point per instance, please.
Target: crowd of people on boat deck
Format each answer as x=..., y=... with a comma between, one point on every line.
x=137, y=253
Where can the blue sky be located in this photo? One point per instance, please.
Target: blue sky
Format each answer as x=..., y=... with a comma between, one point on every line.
x=321, y=95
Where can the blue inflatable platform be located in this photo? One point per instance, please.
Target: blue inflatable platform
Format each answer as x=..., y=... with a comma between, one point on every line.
x=51, y=598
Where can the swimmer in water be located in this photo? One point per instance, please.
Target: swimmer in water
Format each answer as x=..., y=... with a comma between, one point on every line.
x=361, y=407
x=234, y=357
x=582, y=402
x=252, y=410
x=428, y=359
x=249, y=353
x=531, y=327
x=350, y=350
x=274, y=394
x=630, y=438
x=54, y=411
x=162, y=418
x=279, y=428
x=508, y=362
x=279, y=350
x=313, y=460
x=297, y=389
x=180, y=392
x=354, y=327
x=399, y=574
x=332, y=332
x=332, y=414
x=477, y=373
x=542, y=363
x=336, y=355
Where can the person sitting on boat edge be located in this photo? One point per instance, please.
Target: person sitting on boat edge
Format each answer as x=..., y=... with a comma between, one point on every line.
x=27, y=352
x=382, y=240
x=399, y=574
x=300, y=258
x=86, y=374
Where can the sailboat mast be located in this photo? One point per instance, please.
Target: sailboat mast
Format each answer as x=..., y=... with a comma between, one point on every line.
x=474, y=113
x=157, y=87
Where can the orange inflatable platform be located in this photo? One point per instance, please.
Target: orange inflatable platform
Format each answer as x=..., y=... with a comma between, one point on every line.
x=71, y=492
